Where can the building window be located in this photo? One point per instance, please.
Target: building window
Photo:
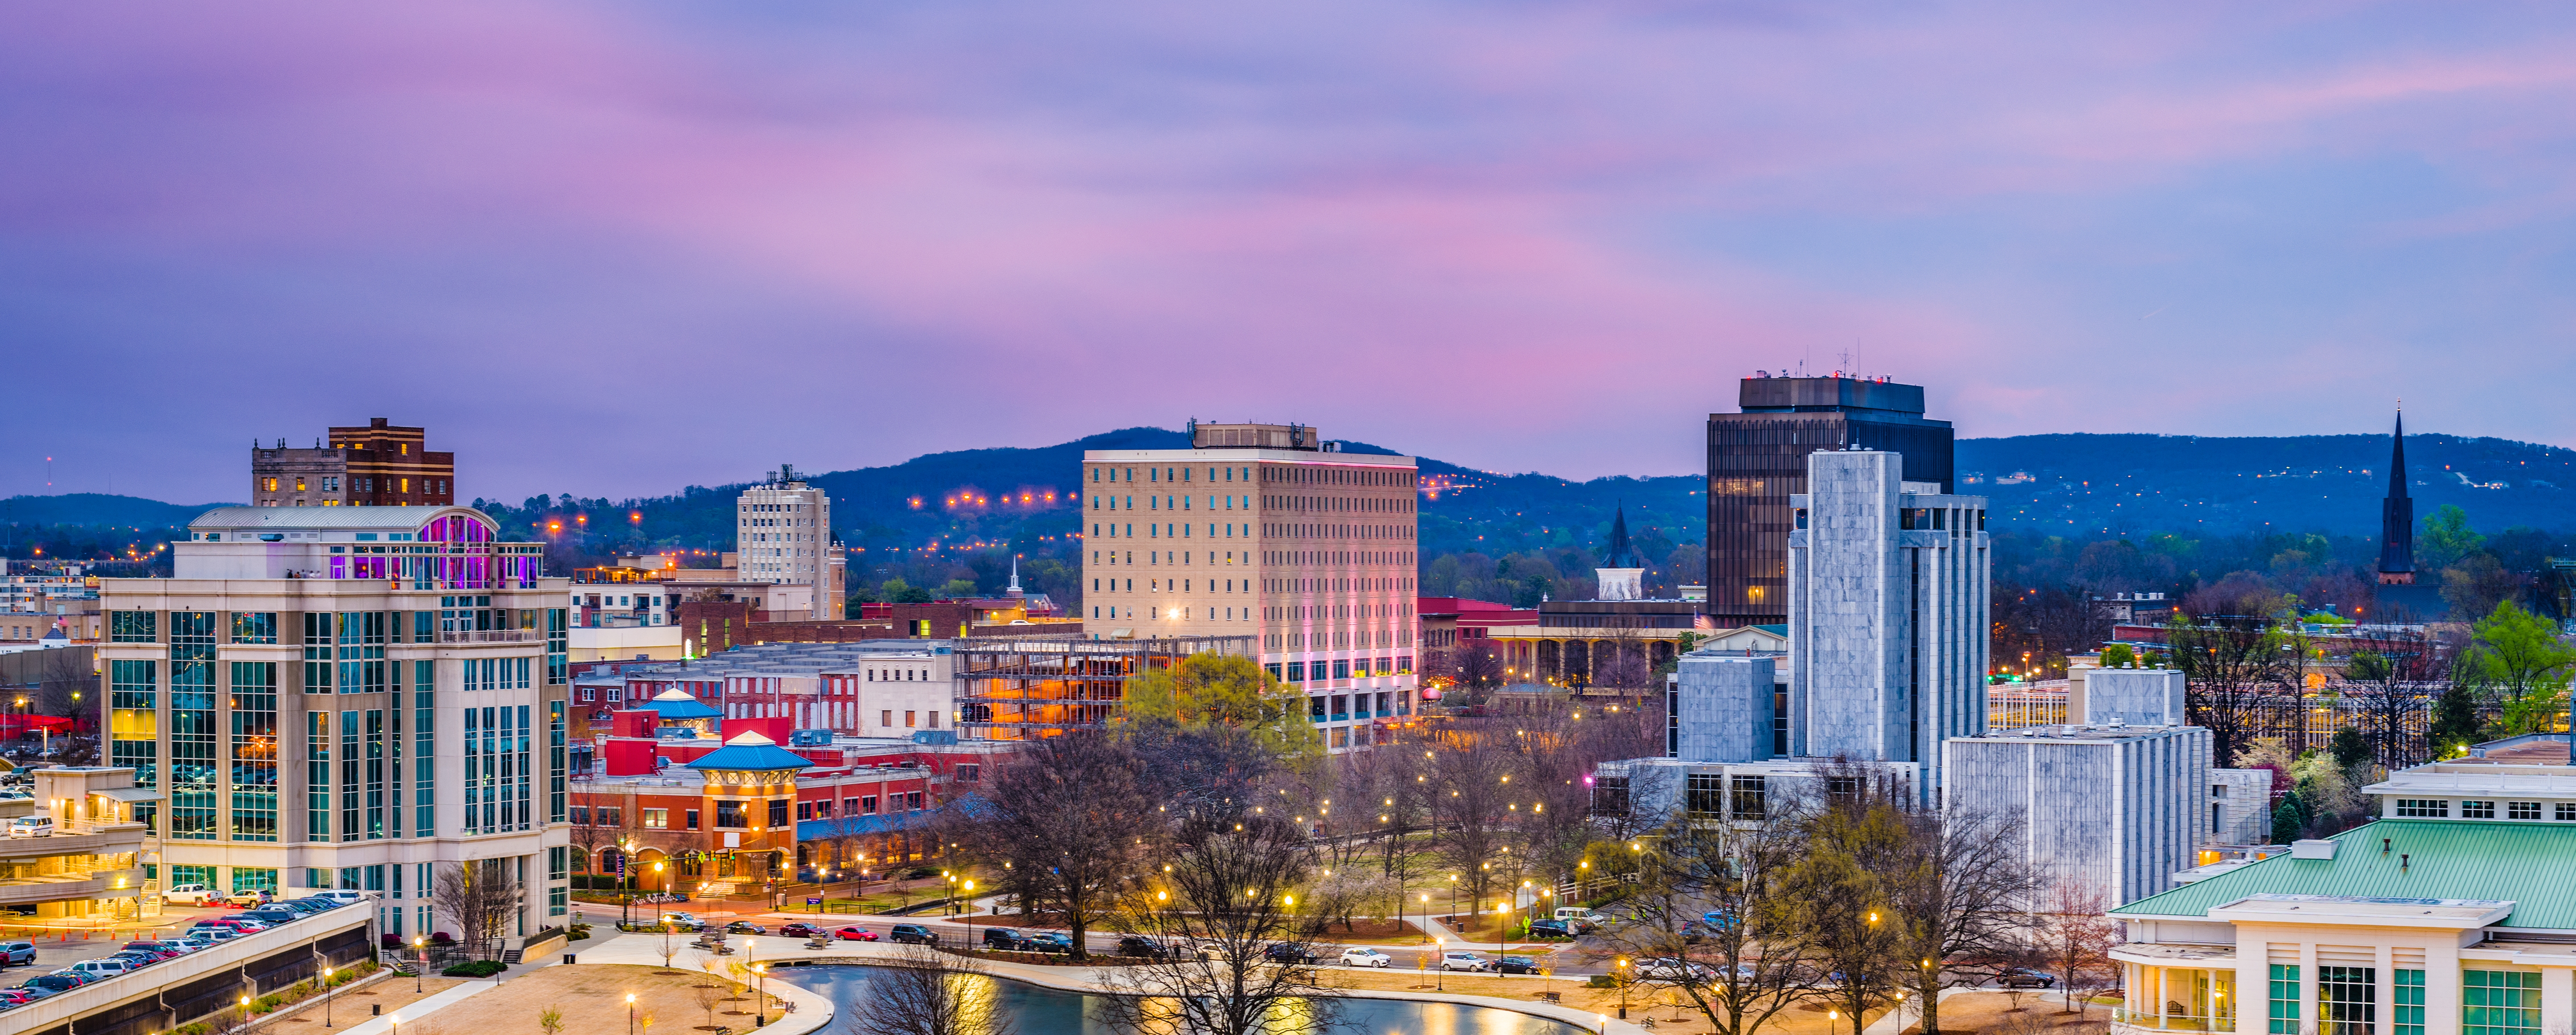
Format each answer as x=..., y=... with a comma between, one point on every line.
x=691, y=817
x=2409, y=1004
x=1746, y=801
x=868, y=805
x=2566, y=811
x=1704, y=794
x=2522, y=810
x=2499, y=1002
x=1610, y=796
x=2347, y=1000
x=967, y=773
x=2477, y=810
x=579, y=816
x=657, y=819
x=2284, y=1015
x=777, y=813
x=729, y=815
x=133, y=627
x=2432, y=807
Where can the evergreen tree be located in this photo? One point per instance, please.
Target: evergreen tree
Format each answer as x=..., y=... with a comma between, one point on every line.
x=2285, y=821
x=2455, y=721
x=2350, y=749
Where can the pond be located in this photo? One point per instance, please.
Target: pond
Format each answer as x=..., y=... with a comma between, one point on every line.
x=1046, y=1011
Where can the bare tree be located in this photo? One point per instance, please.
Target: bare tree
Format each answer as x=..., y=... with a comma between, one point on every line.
x=2234, y=673
x=1960, y=888
x=1479, y=669
x=1755, y=961
x=480, y=896
x=2076, y=937
x=588, y=835
x=924, y=991
x=1070, y=815
x=1226, y=901
x=1470, y=781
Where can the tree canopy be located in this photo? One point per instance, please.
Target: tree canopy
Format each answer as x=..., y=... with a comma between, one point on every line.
x=1206, y=690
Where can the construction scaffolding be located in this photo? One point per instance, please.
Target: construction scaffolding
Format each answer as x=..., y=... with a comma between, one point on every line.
x=1021, y=687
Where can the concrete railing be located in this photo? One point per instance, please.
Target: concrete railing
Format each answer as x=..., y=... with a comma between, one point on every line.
x=236, y=954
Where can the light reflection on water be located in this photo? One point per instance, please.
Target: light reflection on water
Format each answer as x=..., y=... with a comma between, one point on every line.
x=1046, y=1011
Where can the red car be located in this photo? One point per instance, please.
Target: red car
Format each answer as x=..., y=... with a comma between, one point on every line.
x=799, y=930
x=855, y=934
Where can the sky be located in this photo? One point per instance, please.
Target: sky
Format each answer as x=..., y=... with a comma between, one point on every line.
x=615, y=249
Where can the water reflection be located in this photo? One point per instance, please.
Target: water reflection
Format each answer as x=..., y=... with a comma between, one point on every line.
x=1045, y=1011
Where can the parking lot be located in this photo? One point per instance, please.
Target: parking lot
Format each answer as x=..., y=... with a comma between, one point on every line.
x=59, y=946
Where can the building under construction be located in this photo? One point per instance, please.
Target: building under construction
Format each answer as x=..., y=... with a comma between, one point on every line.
x=1018, y=688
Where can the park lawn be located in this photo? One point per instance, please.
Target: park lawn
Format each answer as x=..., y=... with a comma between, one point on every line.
x=593, y=1000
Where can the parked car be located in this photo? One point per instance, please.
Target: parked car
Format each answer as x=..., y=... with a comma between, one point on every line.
x=1465, y=961
x=1047, y=941
x=100, y=969
x=32, y=826
x=1516, y=965
x=1296, y=953
x=1362, y=956
x=1143, y=948
x=245, y=899
x=137, y=959
x=745, y=927
x=799, y=930
x=187, y=894
x=1550, y=929
x=271, y=915
x=2026, y=978
x=855, y=934
x=682, y=921
x=19, y=996
x=305, y=906
x=340, y=896
x=1584, y=921
x=171, y=947
x=1005, y=938
x=1670, y=969
x=55, y=983
x=912, y=934
x=21, y=953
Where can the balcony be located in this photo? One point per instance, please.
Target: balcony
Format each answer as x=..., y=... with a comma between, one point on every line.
x=494, y=636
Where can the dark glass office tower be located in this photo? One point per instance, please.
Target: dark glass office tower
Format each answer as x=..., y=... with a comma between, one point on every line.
x=1758, y=458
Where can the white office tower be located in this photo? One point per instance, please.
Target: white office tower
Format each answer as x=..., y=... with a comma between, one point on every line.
x=2128, y=696
x=2120, y=808
x=347, y=697
x=783, y=534
x=1887, y=614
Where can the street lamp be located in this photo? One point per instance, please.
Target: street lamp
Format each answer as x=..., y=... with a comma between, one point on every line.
x=630, y=1013
x=1426, y=918
x=1619, y=975
x=326, y=997
x=760, y=994
x=420, y=948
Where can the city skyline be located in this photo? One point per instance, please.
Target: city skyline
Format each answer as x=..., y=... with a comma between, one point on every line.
x=572, y=226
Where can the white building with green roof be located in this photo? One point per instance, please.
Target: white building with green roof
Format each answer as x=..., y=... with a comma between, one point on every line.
x=2401, y=926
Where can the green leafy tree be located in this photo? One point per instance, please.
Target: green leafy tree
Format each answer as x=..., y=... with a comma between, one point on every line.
x=2119, y=655
x=2520, y=658
x=2446, y=537
x=1206, y=690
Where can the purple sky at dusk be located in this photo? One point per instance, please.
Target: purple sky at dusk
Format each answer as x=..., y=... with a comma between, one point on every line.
x=619, y=248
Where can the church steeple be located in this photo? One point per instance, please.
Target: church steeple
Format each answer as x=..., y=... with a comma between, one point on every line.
x=2397, y=517
x=1621, y=575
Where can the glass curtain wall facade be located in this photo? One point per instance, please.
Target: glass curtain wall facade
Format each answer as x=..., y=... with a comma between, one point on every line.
x=1757, y=459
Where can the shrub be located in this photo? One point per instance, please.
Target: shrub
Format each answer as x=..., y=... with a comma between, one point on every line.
x=476, y=969
x=442, y=938
x=1602, y=981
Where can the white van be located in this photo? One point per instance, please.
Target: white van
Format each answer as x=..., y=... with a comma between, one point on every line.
x=187, y=894
x=32, y=826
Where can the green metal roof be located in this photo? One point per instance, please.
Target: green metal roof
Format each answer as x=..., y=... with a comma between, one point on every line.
x=2529, y=864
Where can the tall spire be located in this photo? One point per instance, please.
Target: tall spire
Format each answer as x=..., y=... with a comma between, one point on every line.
x=1620, y=554
x=1014, y=591
x=2397, y=517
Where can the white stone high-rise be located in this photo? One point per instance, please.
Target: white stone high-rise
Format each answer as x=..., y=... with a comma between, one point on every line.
x=783, y=534
x=1888, y=612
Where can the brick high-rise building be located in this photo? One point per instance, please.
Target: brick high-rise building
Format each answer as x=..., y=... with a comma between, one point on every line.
x=1757, y=459
x=1260, y=530
x=378, y=465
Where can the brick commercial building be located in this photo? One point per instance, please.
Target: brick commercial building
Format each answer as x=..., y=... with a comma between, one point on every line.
x=378, y=465
x=1263, y=531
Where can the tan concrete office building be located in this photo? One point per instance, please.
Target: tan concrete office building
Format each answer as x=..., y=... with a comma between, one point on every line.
x=1263, y=531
